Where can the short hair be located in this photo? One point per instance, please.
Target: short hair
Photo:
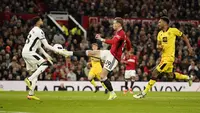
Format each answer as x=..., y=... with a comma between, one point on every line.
x=95, y=44
x=35, y=20
x=119, y=20
x=165, y=18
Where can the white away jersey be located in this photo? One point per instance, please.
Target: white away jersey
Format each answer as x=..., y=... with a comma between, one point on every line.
x=33, y=41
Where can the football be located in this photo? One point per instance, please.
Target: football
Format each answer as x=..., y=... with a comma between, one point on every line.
x=58, y=46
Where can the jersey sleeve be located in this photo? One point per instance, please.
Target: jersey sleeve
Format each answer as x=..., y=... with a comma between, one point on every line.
x=177, y=32
x=128, y=42
x=41, y=35
x=109, y=41
x=159, y=37
x=114, y=39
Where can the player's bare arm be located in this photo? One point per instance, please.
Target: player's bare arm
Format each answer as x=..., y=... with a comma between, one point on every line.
x=159, y=46
x=185, y=38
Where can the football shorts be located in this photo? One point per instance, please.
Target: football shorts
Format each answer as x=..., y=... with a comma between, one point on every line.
x=32, y=60
x=129, y=74
x=165, y=66
x=110, y=61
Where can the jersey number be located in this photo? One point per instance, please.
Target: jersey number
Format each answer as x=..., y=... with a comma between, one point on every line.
x=108, y=63
x=28, y=39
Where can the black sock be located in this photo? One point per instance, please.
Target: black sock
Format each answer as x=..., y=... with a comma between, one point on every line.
x=79, y=53
x=132, y=82
x=126, y=84
x=108, y=84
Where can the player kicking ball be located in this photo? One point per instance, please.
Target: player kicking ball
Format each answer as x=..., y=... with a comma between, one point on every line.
x=130, y=73
x=166, y=44
x=34, y=62
x=118, y=43
x=96, y=69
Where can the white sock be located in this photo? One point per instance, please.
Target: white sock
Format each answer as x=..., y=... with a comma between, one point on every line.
x=31, y=92
x=112, y=92
x=37, y=72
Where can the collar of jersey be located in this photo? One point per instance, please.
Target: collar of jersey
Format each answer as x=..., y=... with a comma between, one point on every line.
x=166, y=30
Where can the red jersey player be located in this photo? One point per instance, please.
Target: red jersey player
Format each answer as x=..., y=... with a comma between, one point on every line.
x=130, y=73
x=119, y=43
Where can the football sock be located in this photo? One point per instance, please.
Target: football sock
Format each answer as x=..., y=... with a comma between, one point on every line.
x=93, y=82
x=108, y=85
x=132, y=82
x=79, y=53
x=103, y=85
x=38, y=72
x=149, y=86
x=34, y=81
x=126, y=84
x=181, y=76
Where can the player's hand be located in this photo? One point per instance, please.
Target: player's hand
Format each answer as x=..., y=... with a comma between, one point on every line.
x=191, y=52
x=98, y=37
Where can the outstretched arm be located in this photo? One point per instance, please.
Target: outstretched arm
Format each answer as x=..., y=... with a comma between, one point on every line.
x=46, y=45
x=188, y=44
x=108, y=41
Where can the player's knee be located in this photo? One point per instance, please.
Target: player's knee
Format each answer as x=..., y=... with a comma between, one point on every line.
x=171, y=75
x=90, y=78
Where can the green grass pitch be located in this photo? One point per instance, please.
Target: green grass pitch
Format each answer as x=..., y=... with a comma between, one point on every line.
x=89, y=102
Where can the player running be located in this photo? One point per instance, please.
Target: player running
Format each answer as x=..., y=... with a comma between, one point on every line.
x=96, y=69
x=166, y=44
x=34, y=62
x=118, y=43
x=130, y=73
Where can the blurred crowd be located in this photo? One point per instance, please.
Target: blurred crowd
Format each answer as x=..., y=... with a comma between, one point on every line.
x=13, y=34
x=22, y=6
x=175, y=9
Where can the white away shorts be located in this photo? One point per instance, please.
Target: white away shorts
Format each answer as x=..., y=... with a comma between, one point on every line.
x=32, y=60
x=129, y=74
x=110, y=61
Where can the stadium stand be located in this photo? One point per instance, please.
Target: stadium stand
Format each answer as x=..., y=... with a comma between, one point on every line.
x=14, y=29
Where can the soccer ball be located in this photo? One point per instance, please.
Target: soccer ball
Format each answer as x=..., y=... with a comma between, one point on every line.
x=58, y=46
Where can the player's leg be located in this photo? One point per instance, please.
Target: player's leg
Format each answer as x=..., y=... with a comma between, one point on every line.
x=132, y=83
x=109, y=65
x=132, y=78
x=32, y=61
x=98, y=76
x=177, y=75
x=183, y=77
x=108, y=84
x=151, y=82
x=91, y=77
x=31, y=95
x=127, y=78
x=39, y=70
x=162, y=67
x=126, y=86
x=180, y=76
x=91, y=53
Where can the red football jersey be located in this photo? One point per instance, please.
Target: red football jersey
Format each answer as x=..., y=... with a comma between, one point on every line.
x=131, y=62
x=119, y=43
